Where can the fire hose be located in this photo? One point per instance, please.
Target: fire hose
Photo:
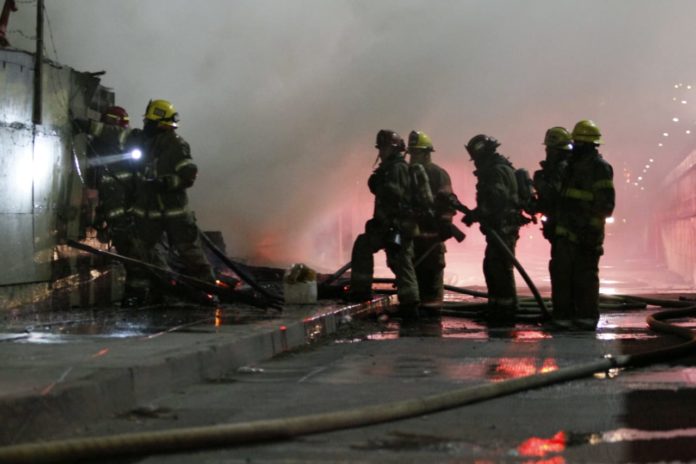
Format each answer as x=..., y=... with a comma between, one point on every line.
x=226, y=435
x=501, y=245
x=245, y=276
x=189, y=281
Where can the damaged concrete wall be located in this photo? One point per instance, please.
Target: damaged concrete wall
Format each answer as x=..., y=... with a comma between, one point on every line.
x=42, y=192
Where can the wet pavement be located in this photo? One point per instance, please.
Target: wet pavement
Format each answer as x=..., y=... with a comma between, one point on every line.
x=622, y=415
x=187, y=365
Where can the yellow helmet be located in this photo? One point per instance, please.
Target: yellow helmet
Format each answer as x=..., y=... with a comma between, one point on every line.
x=162, y=112
x=587, y=131
x=558, y=137
x=420, y=140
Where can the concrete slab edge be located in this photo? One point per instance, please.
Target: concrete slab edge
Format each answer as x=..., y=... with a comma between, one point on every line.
x=110, y=391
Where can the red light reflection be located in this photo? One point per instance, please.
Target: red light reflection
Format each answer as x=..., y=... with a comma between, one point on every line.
x=101, y=352
x=218, y=317
x=511, y=368
x=529, y=335
x=540, y=447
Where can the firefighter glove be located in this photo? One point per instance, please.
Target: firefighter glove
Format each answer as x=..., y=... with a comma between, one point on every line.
x=471, y=217
x=445, y=231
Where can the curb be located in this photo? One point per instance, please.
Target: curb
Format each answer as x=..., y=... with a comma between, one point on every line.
x=92, y=392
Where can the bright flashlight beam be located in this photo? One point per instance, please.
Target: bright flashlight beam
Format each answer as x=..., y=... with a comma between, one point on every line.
x=110, y=159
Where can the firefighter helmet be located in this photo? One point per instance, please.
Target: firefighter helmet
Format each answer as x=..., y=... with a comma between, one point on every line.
x=389, y=138
x=420, y=140
x=558, y=137
x=115, y=116
x=586, y=131
x=481, y=145
x=162, y=112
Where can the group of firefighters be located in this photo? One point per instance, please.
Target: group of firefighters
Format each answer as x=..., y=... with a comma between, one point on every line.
x=573, y=192
x=142, y=175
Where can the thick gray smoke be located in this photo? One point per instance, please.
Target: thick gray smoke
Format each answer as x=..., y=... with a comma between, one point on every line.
x=280, y=101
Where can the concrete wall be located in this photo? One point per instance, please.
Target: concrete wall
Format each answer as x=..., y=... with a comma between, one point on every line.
x=41, y=167
x=678, y=220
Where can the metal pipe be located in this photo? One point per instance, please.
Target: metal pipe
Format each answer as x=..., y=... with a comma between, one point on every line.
x=38, y=65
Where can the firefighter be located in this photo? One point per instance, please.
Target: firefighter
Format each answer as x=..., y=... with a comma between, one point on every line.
x=113, y=172
x=161, y=205
x=547, y=180
x=497, y=210
x=587, y=199
x=434, y=220
x=391, y=228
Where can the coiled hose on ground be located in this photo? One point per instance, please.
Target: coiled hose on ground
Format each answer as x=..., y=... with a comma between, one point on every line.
x=195, y=438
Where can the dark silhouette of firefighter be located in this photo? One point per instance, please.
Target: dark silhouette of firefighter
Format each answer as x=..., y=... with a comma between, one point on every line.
x=433, y=188
x=114, y=162
x=548, y=180
x=161, y=205
x=391, y=227
x=498, y=212
x=587, y=198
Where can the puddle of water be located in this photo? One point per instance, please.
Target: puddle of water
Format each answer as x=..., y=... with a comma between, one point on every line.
x=551, y=449
x=628, y=435
x=539, y=447
x=680, y=376
x=511, y=368
x=114, y=322
x=463, y=328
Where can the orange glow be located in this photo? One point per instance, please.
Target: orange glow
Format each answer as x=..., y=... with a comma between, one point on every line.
x=283, y=328
x=529, y=335
x=540, y=447
x=101, y=352
x=549, y=365
x=222, y=284
x=511, y=368
x=48, y=389
x=218, y=317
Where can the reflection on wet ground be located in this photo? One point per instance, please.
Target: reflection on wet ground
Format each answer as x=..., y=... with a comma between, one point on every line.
x=113, y=322
x=551, y=450
x=464, y=320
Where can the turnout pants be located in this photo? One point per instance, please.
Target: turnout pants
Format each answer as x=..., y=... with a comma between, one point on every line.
x=574, y=281
x=182, y=237
x=399, y=260
x=499, y=273
x=429, y=253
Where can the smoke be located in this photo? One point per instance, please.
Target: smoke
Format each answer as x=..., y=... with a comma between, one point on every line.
x=281, y=101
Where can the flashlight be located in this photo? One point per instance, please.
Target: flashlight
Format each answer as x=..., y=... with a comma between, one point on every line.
x=136, y=154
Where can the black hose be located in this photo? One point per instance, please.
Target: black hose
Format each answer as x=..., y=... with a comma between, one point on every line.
x=191, y=283
x=156, y=270
x=342, y=270
x=451, y=288
x=247, y=278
